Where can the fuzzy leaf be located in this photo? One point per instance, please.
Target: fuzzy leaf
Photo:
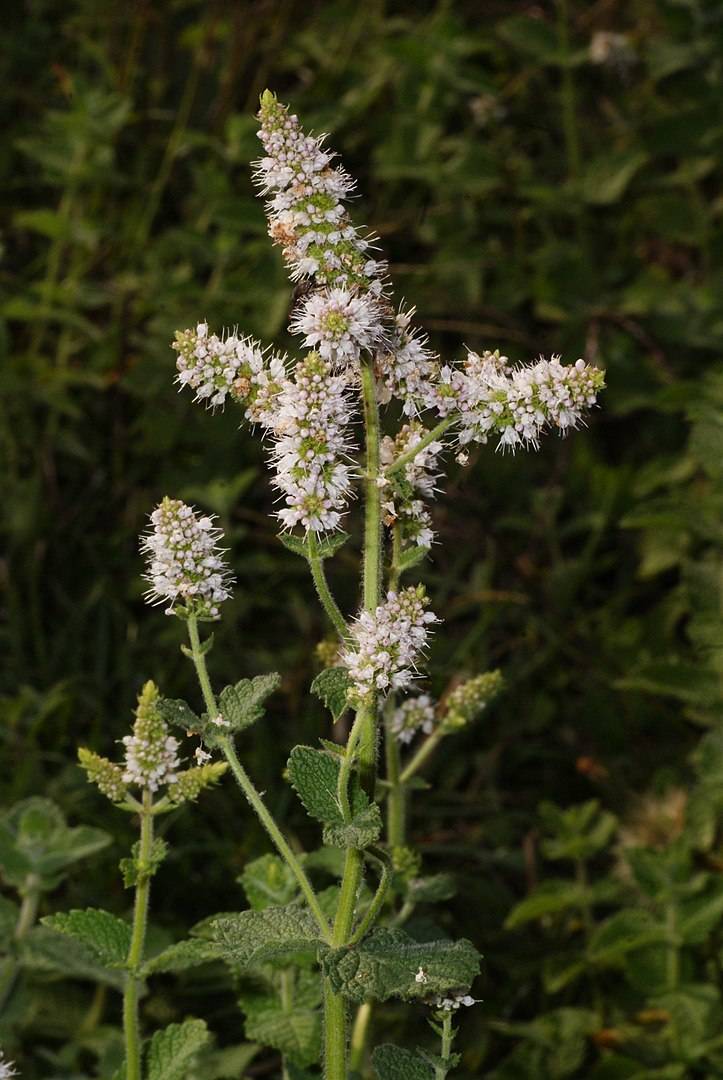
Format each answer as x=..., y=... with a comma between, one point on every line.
x=182, y=955
x=331, y=686
x=133, y=871
x=107, y=936
x=314, y=775
x=35, y=839
x=624, y=932
x=253, y=937
x=412, y=556
x=172, y=1051
x=364, y=829
x=393, y=1063
x=48, y=952
x=268, y=882
x=431, y=890
x=178, y=714
x=326, y=547
x=388, y=963
x=242, y=704
x=295, y=1032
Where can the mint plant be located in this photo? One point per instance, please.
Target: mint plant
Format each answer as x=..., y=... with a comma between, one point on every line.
x=309, y=960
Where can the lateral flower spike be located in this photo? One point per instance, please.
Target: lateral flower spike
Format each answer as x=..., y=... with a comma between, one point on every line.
x=151, y=753
x=189, y=784
x=106, y=776
x=186, y=567
x=468, y=700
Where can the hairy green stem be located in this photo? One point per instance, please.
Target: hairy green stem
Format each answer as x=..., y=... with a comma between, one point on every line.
x=427, y=748
x=375, y=907
x=26, y=918
x=409, y=455
x=247, y=787
x=138, y=939
x=316, y=565
x=335, y=1013
x=441, y=1070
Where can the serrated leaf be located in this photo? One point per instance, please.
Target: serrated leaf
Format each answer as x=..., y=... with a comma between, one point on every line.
x=331, y=686
x=253, y=937
x=314, y=775
x=389, y=963
x=172, y=1051
x=295, y=1032
x=412, y=556
x=393, y=1063
x=364, y=829
x=326, y=547
x=48, y=952
x=133, y=871
x=431, y=890
x=178, y=713
x=268, y=882
x=182, y=955
x=35, y=839
x=242, y=704
x=107, y=936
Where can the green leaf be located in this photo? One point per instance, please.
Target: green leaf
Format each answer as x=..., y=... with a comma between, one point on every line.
x=172, y=1051
x=412, y=556
x=242, y=704
x=230, y=1062
x=364, y=829
x=389, y=963
x=392, y=1063
x=295, y=1031
x=35, y=839
x=132, y=869
x=178, y=714
x=268, y=882
x=622, y=933
x=314, y=774
x=549, y=898
x=253, y=937
x=48, y=952
x=106, y=935
x=331, y=686
x=699, y=916
x=326, y=547
x=9, y=913
x=607, y=177
x=182, y=955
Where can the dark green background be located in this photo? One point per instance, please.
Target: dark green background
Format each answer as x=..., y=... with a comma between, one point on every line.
x=528, y=198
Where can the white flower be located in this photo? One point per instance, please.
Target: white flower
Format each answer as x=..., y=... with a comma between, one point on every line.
x=6, y=1068
x=150, y=752
x=407, y=368
x=518, y=404
x=413, y=715
x=186, y=567
x=306, y=212
x=421, y=976
x=310, y=424
x=449, y=1003
x=387, y=643
x=201, y=755
x=229, y=366
x=412, y=484
x=340, y=325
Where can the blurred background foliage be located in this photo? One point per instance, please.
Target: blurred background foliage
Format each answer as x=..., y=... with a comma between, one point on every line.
x=544, y=178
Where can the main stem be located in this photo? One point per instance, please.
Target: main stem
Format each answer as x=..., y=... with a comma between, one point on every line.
x=138, y=938
x=247, y=787
x=441, y=1070
x=335, y=1014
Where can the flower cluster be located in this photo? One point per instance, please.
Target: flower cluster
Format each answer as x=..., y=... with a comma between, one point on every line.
x=310, y=424
x=150, y=752
x=387, y=643
x=406, y=490
x=306, y=212
x=465, y=703
x=151, y=759
x=407, y=369
x=186, y=568
x=230, y=366
x=517, y=403
x=447, y=1004
x=413, y=715
x=339, y=324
